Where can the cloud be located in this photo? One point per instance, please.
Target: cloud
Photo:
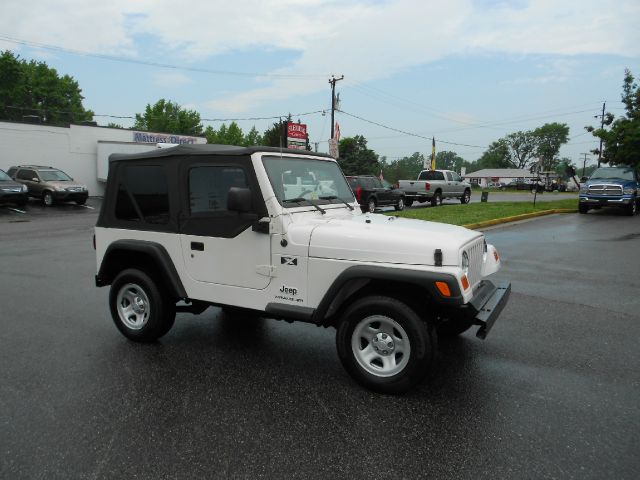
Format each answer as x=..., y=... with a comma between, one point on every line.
x=171, y=79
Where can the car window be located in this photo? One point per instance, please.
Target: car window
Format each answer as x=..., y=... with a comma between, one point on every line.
x=376, y=182
x=431, y=175
x=143, y=194
x=12, y=171
x=54, y=176
x=210, y=185
x=4, y=177
x=609, y=173
x=26, y=174
x=449, y=176
x=456, y=177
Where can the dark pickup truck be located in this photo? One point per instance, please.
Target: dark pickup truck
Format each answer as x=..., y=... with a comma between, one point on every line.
x=615, y=186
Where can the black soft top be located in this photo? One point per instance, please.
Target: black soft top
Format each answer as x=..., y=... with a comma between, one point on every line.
x=208, y=149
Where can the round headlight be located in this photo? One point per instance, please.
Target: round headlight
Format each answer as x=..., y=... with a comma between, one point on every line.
x=465, y=263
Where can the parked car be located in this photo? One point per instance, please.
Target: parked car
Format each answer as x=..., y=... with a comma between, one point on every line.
x=12, y=191
x=497, y=185
x=529, y=184
x=436, y=185
x=617, y=186
x=371, y=193
x=49, y=184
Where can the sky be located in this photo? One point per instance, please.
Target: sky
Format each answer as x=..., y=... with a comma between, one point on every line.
x=466, y=72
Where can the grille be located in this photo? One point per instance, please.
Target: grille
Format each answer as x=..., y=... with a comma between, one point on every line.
x=475, y=250
x=605, y=189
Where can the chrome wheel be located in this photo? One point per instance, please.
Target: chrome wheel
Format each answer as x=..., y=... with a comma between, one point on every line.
x=47, y=198
x=380, y=346
x=132, y=305
x=400, y=205
x=372, y=205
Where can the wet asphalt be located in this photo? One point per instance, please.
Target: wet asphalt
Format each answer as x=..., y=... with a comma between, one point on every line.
x=554, y=391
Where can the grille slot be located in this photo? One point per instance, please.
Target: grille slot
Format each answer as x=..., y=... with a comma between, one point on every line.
x=475, y=250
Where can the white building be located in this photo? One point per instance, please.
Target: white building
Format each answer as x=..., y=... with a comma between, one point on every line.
x=81, y=151
x=504, y=175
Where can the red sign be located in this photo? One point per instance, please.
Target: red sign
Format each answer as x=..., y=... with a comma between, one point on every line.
x=297, y=130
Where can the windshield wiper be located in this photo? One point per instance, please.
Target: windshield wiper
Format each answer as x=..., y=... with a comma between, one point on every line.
x=334, y=197
x=301, y=199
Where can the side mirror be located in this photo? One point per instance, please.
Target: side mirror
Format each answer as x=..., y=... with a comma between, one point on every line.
x=239, y=200
x=34, y=179
x=583, y=179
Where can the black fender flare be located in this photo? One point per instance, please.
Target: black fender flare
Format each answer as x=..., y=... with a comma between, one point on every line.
x=156, y=252
x=354, y=278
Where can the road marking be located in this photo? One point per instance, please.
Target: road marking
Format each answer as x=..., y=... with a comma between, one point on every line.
x=87, y=206
x=16, y=210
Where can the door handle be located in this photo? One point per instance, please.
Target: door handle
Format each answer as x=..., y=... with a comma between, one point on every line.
x=199, y=246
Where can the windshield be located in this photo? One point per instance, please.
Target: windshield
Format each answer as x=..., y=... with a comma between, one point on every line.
x=54, y=176
x=304, y=181
x=4, y=177
x=611, y=173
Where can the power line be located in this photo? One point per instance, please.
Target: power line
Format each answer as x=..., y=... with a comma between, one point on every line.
x=405, y=132
x=114, y=58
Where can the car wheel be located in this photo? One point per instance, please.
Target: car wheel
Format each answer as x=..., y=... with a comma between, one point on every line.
x=408, y=203
x=81, y=202
x=47, y=198
x=436, y=200
x=140, y=308
x=454, y=327
x=583, y=208
x=466, y=197
x=371, y=206
x=632, y=208
x=384, y=345
x=400, y=205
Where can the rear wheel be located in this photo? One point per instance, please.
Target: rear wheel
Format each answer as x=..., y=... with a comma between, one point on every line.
x=140, y=308
x=384, y=345
x=400, y=205
x=436, y=200
x=408, y=202
x=371, y=206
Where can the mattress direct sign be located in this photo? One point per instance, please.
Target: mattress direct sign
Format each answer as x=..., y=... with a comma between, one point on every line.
x=145, y=137
x=297, y=136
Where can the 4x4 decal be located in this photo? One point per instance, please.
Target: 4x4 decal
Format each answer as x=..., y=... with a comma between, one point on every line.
x=289, y=261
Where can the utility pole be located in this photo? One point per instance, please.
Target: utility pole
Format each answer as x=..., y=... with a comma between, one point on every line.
x=601, y=127
x=332, y=82
x=584, y=162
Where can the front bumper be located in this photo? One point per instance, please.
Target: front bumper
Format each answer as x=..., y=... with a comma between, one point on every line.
x=19, y=198
x=487, y=304
x=70, y=196
x=606, y=201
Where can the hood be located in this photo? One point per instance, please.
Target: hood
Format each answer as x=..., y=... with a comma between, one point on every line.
x=10, y=184
x=65, y=184
x=380, y=238
x=611, y=181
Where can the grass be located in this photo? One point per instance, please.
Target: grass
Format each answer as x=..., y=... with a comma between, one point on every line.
x=482, y=212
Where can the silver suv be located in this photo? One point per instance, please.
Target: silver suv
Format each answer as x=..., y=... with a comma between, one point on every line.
x=49, y=184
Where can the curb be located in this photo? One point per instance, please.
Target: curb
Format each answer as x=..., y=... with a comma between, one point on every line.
x=515, y=218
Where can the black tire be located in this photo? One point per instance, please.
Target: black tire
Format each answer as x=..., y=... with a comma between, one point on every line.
x=371, y=205
x=466, y=197
x=81, y=202
x=583, y=208
x=632, y=208
x=408, y=202
x=376, y=320
x=400, y=205
x=454, y=327
x=154, y=310
x=47, y=198
x=436, y=200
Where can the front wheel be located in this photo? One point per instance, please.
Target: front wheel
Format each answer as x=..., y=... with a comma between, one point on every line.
x=466, y=197
x=140, y=308
x=47, y=198
x=632, y=209
x=400, y=205
x=384, y=345
x=583, y=208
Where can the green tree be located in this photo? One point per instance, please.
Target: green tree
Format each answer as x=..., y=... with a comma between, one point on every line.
x=231, y=135
x=549, y=138
x=522, y=148
x=621, y=137
x=496, y=156
x=356, y=158
x=168, y=117
x=446, y=160
x=406, y=168
x=253, y=138
x=276, y=136
x=33, y=88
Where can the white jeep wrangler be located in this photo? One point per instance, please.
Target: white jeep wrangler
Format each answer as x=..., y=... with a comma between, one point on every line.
x=279, y=233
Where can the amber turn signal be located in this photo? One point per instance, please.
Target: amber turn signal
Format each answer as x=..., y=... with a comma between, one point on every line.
x=465, y=282
x=443, y=288
x=495, y=255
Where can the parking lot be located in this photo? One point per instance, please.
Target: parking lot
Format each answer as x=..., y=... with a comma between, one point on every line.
x=554, y=391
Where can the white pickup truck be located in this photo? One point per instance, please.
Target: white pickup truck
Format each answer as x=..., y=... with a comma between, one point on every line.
x=435, y=185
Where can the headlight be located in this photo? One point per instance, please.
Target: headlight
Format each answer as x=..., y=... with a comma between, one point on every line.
x=465, y=263
x=584, y=189
x=629, y=191
x=24, y=188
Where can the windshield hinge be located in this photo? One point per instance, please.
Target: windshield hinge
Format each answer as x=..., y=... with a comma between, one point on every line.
x=266, y=270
